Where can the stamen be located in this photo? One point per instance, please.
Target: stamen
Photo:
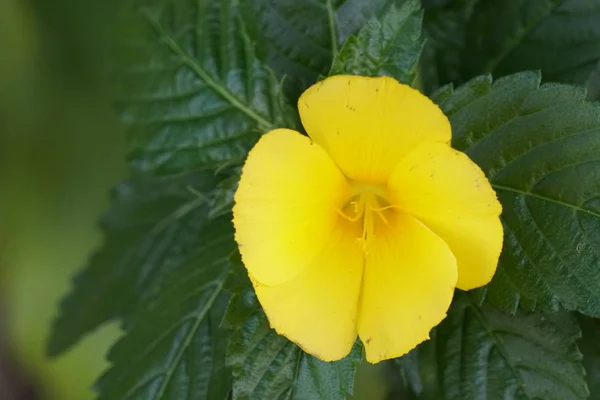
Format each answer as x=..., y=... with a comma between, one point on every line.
x=385, y=208
x=365, y=204
x=347, y=217
x=379, y=212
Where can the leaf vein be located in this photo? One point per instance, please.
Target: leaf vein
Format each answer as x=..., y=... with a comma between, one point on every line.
x=188, y=338
x=205, y=76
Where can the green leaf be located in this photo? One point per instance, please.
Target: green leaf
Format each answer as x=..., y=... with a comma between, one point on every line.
x=593, y=84
x=192, y=91
x=174, y=348
x=300, y=38
x=590, y=347
x=445, y=27
x=154, y=225
x=559, y=37
x=388, y=46
x=539, y=147
x=483, y=353
x=221, y=198
x=266, y=365
x=404, y=377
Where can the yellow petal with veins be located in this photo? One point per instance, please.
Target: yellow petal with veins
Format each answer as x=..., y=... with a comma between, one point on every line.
x=368, y=124
x=317, y=309
x=408, y=284
x=286, y=205
x=450, y=194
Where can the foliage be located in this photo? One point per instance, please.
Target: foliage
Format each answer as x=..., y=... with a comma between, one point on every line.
x=538, y=146
x=478, y=352
x=499, y=37
x=375, y=50
x=199, y=82
x=268, y=366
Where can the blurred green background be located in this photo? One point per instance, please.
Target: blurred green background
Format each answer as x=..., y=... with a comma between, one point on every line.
x=60, y=152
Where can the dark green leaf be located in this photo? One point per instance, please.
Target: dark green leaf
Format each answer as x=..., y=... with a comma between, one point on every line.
x=445, y=26
x=484, y=354
x=221, y=199
x=388, y=46
x=593, y=84
x=559, y=37
x=153, y=226
x=299, y=38
x=434, y=3
x=539, y=147
x=404, y=377
x=590, y=347
x=193, y=93
x=174, y=348
x=268, y=366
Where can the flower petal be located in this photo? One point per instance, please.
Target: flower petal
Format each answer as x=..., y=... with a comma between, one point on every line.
x=286, y=205
x=408, y=285
x=368, y=124
x=317, y=309
x=450, y=194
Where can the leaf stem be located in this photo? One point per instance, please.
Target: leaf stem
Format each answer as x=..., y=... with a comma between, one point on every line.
x=205, y=76
x=332, y=28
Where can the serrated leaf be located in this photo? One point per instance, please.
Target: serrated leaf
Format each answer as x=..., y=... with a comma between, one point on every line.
x=154, y=225
x=266, y=365
x=539, y=147
x=300, y=38
x=390, y=45
x=193, y=93
x=174, y=348
x=559, y=37
x=484, y=354
x=193, y=84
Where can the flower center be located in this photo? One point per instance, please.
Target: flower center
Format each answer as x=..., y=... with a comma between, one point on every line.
x=368, y=205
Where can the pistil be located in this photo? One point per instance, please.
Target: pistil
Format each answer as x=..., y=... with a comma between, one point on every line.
x=366, y=205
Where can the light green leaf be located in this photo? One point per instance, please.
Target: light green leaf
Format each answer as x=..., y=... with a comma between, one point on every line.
x=559, y=37
x=483, y=354
x=268, y=366
x=174, y=348
x=300, y=38
x=388, y=46
x=193, y=93
x=539, y=147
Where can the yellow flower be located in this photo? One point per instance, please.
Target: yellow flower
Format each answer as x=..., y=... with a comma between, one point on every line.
x=366, y=227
